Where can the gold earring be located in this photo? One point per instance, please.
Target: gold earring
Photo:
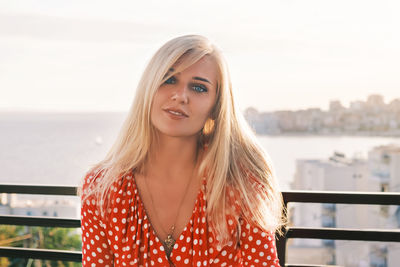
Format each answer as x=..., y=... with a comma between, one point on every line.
x=208, y=126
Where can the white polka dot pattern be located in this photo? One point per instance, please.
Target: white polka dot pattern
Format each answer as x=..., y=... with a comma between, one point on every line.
x=126, y=237
x=95, y=244
x=258, y=248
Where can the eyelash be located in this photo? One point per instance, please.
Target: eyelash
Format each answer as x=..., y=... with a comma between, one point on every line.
x=203, y=89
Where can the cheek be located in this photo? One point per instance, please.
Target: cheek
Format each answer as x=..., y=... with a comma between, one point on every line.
x=157, y=100
x=205, y=111
x=211, y=105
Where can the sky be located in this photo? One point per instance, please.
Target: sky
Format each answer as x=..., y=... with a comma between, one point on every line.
x=74, y=56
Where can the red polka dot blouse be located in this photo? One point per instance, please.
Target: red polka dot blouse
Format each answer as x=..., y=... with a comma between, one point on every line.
x=126, y=238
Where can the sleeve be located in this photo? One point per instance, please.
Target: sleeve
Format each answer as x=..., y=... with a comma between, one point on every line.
x=95, y=245
x=257, y=246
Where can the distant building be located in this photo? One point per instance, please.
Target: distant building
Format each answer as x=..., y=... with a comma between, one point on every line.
x=394, y=105
x=384, y=164
x=262, y=123
x=375, y=100
x=335, y=105
x=375, y=103
x=357, y=105
x=371, y=117
x=384, y=167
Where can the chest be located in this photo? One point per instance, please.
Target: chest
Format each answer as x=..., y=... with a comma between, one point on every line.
x=169, y=206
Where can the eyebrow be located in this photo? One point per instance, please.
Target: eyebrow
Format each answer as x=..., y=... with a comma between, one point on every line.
x=201, y=79
x=194, y=78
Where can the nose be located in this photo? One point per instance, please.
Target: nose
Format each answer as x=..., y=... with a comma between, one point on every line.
x=181, y=95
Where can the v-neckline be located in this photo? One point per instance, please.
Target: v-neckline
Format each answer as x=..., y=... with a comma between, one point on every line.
x=158, y=239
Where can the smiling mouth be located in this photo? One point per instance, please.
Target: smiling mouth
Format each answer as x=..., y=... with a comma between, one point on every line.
x=176, y=113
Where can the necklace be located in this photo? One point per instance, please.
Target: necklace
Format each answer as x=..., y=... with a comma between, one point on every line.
x=169, y=242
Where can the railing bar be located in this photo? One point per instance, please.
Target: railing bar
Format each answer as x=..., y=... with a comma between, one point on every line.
x=39, y=189
x=392, y=235
x=39, y=221
x=371, y=198
x=44, y=254
x=289, y=196
x=311, y=265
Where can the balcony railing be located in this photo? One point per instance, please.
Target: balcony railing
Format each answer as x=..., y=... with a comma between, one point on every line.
x=34, y=253
x=289, y=196
x=369, y=198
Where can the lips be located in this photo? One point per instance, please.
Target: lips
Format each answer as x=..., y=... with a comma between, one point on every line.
x=176, y=112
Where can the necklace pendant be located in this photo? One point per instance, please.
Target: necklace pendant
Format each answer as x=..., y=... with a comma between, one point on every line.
x=169, y=243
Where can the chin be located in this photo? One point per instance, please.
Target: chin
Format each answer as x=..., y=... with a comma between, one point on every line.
x=178, y=133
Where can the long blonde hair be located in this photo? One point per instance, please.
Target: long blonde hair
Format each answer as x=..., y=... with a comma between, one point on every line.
x=233, y=159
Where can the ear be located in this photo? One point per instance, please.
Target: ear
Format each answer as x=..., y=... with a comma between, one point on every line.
x=208, y=126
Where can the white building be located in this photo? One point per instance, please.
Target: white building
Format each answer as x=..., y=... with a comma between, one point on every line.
x=384, y=167
x=384, y=164
x=339, y=173
x=53, y=206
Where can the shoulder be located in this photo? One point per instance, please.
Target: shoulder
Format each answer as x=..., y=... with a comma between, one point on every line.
x=122, y=186
x=100, y=193
x=96, y=180
x=90, y=181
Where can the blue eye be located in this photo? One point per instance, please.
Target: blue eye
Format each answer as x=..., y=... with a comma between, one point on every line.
x=199, y=88
x=170, y=80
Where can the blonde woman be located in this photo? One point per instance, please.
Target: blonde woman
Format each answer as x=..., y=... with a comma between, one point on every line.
x=185, y=183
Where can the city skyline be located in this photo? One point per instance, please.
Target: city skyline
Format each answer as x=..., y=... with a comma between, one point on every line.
x=282, y=55
x=338, y=102
x=371, y=117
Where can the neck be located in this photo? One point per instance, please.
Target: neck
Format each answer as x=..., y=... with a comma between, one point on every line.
x=172, y=158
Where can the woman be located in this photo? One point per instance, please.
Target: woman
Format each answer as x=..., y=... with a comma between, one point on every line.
x=185, y=184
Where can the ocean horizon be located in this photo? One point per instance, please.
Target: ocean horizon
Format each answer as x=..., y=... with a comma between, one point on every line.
x=58, y=148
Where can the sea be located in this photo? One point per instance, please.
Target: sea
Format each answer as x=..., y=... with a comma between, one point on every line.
x=58, y=148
